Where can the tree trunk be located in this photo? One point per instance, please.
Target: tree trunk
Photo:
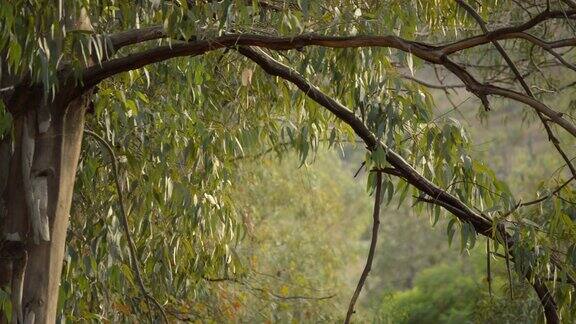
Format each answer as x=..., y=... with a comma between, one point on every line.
x=42, y=169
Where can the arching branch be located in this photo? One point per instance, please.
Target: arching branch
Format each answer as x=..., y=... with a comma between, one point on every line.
x=136, y=36
x=438, y=196
x=95, y=74
x=429, y=53
x=273, y=67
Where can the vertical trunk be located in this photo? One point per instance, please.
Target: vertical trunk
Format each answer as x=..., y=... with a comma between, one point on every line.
x=47, y=140
x=42, y=169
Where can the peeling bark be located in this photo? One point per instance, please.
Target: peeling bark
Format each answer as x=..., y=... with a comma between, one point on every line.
x=44, y=118
x=40, y=224
x=41, y=183
x=47, y=138
x=35, y=188
x=45, y=259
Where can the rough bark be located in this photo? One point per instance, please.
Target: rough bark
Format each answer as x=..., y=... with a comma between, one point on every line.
x=5, y=155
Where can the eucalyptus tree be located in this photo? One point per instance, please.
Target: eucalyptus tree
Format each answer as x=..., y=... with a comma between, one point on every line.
x=180, y=89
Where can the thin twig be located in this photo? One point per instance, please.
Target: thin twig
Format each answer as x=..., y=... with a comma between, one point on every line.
x=360, y=168
x=431, y=85
x=488, y=269
x=124, y=221
x=555, y=192
x=368, y=267
x=508, y=269
x=262, y=290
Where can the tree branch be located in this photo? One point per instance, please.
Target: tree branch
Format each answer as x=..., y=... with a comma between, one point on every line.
x=136, y=36
x=412, y=176
x=548, y=47
x=547, y=300
x=95, y=74
x=439, y=196
x=483, y=90
x=541, y=199
x=429, y=53
x=431, y=85
x=523, y=83
x=373, y=241
x=275, y=295
x=510, y=32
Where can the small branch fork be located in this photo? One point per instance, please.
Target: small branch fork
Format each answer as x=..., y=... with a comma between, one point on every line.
x=522, y=82
x=126, y=226
x=373, y=242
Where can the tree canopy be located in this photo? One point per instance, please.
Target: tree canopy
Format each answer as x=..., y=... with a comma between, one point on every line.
x=183, y=96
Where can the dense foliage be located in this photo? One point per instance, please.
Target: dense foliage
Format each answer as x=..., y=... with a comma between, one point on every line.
x=219, y=223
